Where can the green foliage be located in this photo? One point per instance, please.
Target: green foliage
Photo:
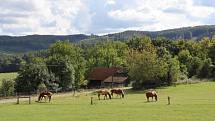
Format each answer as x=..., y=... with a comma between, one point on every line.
x=31, y=75
x=42, y=87
x=173, y=70
x=205, y=71
x=157, y=62
x=108, y=54
x=194, y=66
x=145, y=68
x=184, y=56
x=7, y=88
x=211, y=51
x=69, y=64
x=141, y=44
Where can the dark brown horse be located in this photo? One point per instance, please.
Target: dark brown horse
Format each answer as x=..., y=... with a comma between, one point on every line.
x=105, y=93
x=45, y=95
x=118, y=92
x=151, y=93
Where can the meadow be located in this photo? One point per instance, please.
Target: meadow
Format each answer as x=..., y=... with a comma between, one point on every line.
x=12, y=75
x=191, y=102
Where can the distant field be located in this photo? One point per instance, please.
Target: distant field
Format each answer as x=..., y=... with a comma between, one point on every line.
x=194, y=102
x=7, y=76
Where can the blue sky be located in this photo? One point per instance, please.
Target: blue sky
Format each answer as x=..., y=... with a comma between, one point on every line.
x=63, y=17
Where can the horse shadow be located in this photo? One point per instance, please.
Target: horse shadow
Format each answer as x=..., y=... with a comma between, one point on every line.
x=153, y=101
x=41, y=101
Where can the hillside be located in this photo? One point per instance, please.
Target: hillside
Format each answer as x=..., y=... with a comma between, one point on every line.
x=196, y=33
x=34, y=42
x=39, y=42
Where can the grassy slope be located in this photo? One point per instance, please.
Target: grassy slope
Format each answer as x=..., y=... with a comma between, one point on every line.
x=194, y=102
x=7, y=76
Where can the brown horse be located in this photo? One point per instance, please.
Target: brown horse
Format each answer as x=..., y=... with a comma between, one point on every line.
x=105, y=93
x=118, y=92
x=151, y=93
x=44, y=95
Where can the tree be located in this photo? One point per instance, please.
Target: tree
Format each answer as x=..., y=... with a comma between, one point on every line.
x=211, y=52
x=69, y=64
x=194, y=66
x=141, y=44
x=184, y=56
x=173, y=71
x=7, y=87
x=205, y=70
x=145, y=68
x=108, y=54
x=31, y=75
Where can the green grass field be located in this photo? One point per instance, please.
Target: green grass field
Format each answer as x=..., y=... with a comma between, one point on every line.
x=194, y=102
x=8, y=76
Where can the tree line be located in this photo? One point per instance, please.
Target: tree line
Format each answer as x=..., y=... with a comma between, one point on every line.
x=149, y=63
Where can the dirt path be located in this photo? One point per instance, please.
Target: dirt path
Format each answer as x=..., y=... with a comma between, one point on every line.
x=34, y=97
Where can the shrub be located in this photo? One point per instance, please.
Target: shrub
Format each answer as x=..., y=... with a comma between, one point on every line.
x=7, y=88
x=41, y=87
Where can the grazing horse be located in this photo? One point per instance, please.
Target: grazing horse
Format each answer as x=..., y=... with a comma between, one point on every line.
x=151, y=93
x=105, y=93
x=118, y=92
x=44, y=95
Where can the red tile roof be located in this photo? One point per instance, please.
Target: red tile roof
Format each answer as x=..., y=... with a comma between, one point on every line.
x=101, y=73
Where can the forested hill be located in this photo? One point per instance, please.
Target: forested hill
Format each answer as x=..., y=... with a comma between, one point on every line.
x=38, y=42
x=34, y=42
x=196, y=33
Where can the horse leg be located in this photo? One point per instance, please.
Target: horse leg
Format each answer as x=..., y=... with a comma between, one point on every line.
x=45, y=97
x=38, y=98
x=105, y=96
x=99, y=96
x=123, y=95
x=50, y=97
x=147, y=99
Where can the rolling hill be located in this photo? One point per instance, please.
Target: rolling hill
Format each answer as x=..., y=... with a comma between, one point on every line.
x=11, y=44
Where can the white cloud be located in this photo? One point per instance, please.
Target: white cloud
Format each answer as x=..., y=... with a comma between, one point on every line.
x=110, y=2
x=41, y=17
x=160, y=14
x=21, y=17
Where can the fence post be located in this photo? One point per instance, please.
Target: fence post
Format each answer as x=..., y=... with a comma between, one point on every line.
x=168, y=100
x=29, y=99
x=17, y=99
x=91, y=102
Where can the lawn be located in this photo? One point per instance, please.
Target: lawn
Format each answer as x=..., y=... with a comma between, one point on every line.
x=193, y=102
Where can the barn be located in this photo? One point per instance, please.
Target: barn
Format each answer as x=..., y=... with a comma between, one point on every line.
x=101, y=77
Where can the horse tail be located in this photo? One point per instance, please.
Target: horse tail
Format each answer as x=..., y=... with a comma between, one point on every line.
x=109, y=95
x=156, y=96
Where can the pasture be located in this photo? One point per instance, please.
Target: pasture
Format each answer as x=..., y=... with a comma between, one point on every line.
x=193, y=102
x=12, y=75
